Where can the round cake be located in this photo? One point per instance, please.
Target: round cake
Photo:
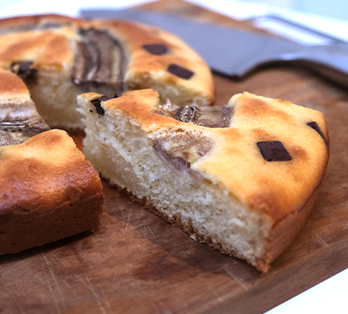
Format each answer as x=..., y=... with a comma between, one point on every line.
x=59, y=57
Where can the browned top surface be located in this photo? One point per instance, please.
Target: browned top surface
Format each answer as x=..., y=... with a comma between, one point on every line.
x=12, y=88
x=134, y=36
x=46, y=48
x=140, y=264
x=63, y=177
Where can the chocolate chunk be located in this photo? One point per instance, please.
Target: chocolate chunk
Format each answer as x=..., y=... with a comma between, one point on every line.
x=273, y=151
x=316, y=127
x=156, y=49
x=23, y=69
x=97, y=104
x=180, y=71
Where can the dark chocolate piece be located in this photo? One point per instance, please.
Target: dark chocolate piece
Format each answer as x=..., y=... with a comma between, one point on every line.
x=23, y=69
x=316, y=127
x=156, y=49
x=273, y=151
x=97, y=104
x=180, y=71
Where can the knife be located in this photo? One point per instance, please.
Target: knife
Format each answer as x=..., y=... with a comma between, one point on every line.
x=238, y=53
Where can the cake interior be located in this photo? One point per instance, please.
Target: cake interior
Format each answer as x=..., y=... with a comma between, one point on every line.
x=55, y=95
x=122, y=152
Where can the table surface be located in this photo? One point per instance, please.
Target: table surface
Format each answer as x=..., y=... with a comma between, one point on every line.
x=138, y=263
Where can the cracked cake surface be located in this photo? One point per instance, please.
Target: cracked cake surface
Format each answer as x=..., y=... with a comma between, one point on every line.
x=241, y=177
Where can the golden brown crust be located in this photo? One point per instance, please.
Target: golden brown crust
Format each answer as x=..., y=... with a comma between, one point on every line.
x=22, y=41
x=129, y=104
x=48, y=191
x=12, y=88
x=142, y=63
x=286, y=186
x=46, y=176
x=284, y=232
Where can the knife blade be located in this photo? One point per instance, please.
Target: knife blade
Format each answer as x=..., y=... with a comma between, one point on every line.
x=238, y=53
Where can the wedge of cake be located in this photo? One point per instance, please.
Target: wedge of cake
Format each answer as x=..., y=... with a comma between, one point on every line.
x=60, y=57
x=48, y=190
x=240, y=177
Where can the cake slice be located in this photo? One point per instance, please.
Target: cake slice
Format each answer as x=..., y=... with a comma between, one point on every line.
x=240, y=177
x=48, y=190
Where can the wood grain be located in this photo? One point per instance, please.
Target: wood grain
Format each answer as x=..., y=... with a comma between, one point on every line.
x=138, y=263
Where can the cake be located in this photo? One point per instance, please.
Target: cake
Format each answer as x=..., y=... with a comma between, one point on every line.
x=240, y=177
x=60, y=57
x=48, y=191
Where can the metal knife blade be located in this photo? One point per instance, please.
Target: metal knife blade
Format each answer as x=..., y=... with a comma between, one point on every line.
x=237, y=53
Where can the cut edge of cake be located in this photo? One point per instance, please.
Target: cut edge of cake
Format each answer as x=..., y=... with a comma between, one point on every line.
x=48, y=190
x=121, y=139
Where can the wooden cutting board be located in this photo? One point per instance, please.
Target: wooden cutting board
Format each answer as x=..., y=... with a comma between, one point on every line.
x=138, y=263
